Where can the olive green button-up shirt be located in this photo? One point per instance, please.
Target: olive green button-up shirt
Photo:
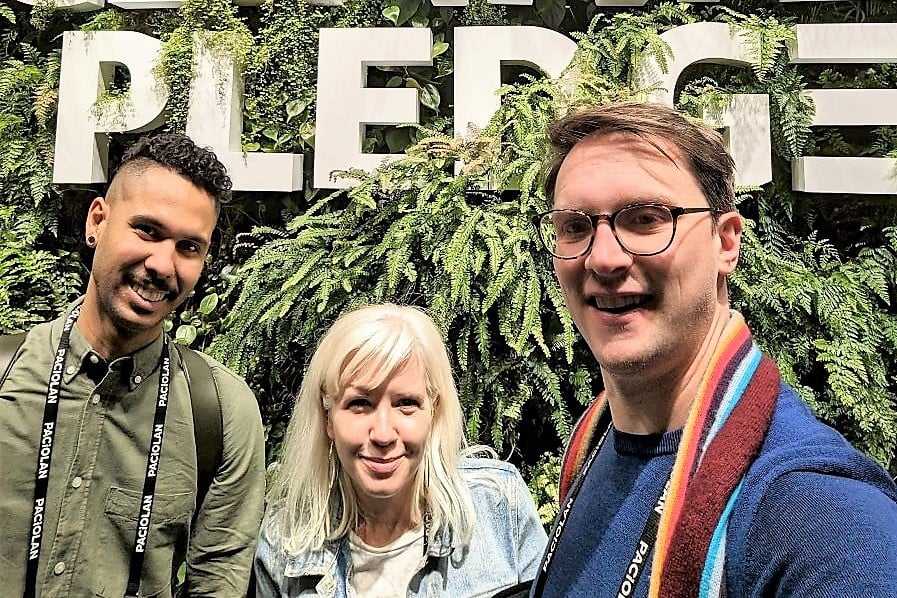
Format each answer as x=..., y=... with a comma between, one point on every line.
x=98, y=469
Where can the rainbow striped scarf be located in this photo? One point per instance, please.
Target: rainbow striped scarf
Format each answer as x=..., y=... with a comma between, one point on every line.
x=725, y=430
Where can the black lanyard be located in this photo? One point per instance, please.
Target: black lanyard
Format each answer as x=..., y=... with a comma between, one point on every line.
x=45, y=452
x=643, y=546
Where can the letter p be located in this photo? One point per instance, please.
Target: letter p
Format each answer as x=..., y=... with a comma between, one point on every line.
x=84, y=119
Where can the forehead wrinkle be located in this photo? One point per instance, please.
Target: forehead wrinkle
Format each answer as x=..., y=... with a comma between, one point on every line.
x=647, y=145
x=650, y=153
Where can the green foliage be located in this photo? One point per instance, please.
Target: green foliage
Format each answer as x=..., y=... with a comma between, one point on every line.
x=35, y=283
x=27, y=103
x=544, y=484
x=105, y=20
x=824, y=313
x=36, y=279
x=222, y=30
x=817, y=274
x=280, y=84
x=829, y=324
x=415, y=234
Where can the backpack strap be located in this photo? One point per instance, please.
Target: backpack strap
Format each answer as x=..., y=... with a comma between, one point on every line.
x=207, y=427
x=9, y=346
x=582, y=440
x=205, y=400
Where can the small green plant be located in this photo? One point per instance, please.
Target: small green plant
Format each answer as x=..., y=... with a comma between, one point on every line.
x=544, y=484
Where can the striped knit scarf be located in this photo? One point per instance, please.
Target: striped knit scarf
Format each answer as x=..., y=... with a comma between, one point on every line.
x=725, y=430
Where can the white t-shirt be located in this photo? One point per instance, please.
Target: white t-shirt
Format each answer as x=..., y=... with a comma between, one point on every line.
x=385, y=572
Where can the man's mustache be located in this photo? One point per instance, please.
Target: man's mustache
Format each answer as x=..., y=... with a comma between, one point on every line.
x=145, y=279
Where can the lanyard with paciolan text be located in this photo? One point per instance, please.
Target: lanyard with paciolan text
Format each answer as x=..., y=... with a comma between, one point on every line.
x=643, y=546
x=45, y=452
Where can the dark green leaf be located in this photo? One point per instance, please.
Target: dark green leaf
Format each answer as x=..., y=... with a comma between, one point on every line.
x=429, y=97
x=208, y=304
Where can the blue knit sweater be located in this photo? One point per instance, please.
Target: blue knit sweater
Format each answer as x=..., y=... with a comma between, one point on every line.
x=815, y=518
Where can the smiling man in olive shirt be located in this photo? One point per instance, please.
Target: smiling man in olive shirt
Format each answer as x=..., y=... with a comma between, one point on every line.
x=98, y=454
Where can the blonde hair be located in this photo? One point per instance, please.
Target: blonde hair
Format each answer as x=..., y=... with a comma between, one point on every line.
x=366, y=346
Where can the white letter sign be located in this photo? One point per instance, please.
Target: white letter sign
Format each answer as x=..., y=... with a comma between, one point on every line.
x=215, y=118
x=480, y=53
x=73, y=5
x=345, y=105
x=854, y=44
x=88, y=66
x=747, y=117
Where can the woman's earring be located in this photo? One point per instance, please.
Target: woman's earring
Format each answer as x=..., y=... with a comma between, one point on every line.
x=332, y=466
x=91, y=241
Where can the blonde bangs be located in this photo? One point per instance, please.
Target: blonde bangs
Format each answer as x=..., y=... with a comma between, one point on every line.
x=381, y=353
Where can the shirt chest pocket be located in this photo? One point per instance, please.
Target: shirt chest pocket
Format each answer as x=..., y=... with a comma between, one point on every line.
x=165, y=542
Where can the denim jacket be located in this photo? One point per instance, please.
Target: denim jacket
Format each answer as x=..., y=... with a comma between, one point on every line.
x=505, y=549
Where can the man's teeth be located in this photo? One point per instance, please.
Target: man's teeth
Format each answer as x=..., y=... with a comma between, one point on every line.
x=617, y=302
x=148, y=293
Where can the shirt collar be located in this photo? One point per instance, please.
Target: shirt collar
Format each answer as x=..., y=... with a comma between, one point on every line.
x=137, y=366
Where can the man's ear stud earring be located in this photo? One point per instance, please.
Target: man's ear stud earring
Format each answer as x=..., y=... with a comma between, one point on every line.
x=91, y=241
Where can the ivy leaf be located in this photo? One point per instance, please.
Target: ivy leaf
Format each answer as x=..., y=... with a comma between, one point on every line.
x=429, y=97
x=397, y=139
x=551, y=11
x=438, y=48
x=419, y=21
x=208, y=304
x=270, y=133
x=307, y=133
x=251, y=147
x=392, y=13
x=368, y=145
x=295, y=108
x=408, y=8
x=395, y=81
x=186, y=334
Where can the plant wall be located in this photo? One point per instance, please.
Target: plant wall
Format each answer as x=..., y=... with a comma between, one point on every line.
x=817, y=279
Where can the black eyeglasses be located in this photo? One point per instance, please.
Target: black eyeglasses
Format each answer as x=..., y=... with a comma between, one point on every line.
x=641, y=229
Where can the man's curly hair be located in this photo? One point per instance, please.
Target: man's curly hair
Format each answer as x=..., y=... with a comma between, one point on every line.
x=179, y=154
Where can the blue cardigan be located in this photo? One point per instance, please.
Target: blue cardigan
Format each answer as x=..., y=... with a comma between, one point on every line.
x=815, y=518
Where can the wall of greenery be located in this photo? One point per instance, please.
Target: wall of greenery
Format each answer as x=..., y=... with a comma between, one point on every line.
x=817, y=280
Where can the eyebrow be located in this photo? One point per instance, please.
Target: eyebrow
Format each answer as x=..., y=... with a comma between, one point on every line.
x=633, y=201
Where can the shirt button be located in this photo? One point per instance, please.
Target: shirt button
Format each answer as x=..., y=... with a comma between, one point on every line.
x=95, y=399
x=94, y=358
x=69, y=370
x=76, y=482
x=138, y=379
x=59, y=569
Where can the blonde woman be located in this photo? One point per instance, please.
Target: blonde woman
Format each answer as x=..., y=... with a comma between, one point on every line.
x=373, y=497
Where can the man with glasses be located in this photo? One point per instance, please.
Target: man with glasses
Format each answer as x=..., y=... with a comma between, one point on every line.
x=698, y=471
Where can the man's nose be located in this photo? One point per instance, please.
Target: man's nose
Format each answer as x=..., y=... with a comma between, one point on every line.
x=606, y=257
x=160, y=261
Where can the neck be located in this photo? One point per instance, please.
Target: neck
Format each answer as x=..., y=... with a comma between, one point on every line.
x=651, y=403
x=381, y=525
x=103, y=336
